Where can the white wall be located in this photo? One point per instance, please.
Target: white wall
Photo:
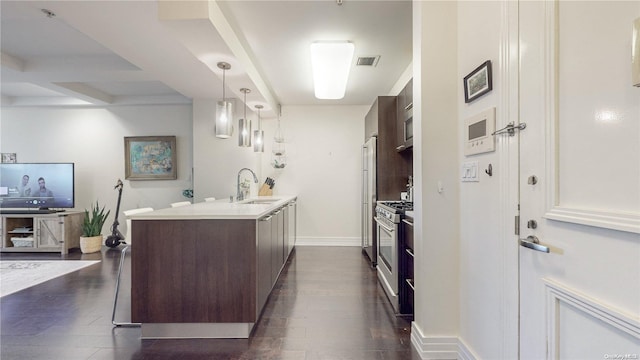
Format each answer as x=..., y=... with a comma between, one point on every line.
x=435, y=160
x=484, y=315
x=323, y=145
x=323, y=148
x=93, y=139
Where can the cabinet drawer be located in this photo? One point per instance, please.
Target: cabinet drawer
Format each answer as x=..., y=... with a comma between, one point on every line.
x=409, y=272
x=407, y=260
x=407, y=226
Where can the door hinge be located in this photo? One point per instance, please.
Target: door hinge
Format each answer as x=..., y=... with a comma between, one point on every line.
x=517, y=224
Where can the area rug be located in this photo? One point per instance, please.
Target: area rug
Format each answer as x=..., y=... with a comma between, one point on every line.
x=16, y=275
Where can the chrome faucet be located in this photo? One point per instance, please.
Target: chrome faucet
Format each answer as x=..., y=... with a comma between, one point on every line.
x=239, y=195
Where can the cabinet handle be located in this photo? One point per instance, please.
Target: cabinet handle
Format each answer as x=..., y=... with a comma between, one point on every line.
x=266, y=218
x=382, y=225
x=410, y=282
x=410, y=252
x=407, y=222
x=409, y=107
x=400, y=148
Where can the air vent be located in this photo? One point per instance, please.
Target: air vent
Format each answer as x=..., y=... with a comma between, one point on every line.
x=368, y=60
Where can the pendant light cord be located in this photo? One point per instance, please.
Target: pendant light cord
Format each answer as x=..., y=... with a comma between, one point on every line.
x=224, y=72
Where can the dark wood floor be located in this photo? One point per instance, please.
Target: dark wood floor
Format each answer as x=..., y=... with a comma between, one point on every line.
x=327, y=304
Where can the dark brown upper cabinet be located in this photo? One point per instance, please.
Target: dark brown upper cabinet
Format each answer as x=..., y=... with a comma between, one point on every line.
x=392, y=168
x=404, y=132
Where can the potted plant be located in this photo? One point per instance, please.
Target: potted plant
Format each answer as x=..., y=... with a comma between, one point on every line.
x=91, y=239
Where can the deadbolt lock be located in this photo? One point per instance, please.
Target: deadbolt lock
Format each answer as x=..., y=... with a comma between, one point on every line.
x=532, y=224
x=532, y=180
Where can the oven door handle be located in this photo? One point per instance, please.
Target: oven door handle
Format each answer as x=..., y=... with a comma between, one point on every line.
x=384, y=226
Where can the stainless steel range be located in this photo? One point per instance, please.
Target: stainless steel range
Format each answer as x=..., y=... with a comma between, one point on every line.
x=388, y=217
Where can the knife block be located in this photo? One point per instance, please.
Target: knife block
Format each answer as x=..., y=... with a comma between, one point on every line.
x=265, y=190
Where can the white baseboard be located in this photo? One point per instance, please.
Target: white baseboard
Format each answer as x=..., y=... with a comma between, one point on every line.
x=464, y=352
x=327, y=241
x=441, y=347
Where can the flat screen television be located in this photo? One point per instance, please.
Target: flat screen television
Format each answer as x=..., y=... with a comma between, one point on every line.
x=37, y=186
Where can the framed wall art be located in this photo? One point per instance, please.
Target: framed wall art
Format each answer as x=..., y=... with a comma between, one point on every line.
x=150, y=158
x=9, y=158
x=478, y=82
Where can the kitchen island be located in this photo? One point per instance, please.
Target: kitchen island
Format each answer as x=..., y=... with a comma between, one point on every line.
x=206, y=270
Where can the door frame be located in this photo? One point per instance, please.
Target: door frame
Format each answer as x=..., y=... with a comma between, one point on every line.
x=508, y=150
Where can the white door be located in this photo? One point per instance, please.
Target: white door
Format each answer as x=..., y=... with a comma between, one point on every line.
x=579, y=181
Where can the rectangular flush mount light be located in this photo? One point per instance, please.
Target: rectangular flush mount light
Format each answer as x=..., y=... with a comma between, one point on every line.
x=331, y=62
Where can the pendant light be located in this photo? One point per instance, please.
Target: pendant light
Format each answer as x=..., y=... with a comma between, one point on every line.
x=258, y=135
x=244, y=124
x=224, y=109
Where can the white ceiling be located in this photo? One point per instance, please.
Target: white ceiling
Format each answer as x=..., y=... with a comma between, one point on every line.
x=150, y=52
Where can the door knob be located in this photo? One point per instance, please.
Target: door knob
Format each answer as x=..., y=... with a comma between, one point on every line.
x=532, y=242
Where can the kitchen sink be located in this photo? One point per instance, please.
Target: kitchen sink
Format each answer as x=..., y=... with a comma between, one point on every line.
x=260, y=201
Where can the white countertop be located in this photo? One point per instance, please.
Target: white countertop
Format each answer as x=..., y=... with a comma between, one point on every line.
x=219, y=209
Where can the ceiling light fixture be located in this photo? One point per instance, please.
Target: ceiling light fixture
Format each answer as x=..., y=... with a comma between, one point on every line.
x=331, y=62
x=258, y=135
x=244, y=124
x=224, y=109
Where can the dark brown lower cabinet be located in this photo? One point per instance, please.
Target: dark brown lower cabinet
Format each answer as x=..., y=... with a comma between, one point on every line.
x=406, y=288
x=265, y=255
x=194, y=271
x=208, y=270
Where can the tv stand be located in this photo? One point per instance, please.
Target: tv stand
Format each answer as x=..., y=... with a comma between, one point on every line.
x=27, y=212
x=46, y=210
x=40, y=231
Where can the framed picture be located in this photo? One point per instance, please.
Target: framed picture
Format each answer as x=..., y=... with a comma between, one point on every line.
x=9, y=158
x=478, y=82
x=150, y=158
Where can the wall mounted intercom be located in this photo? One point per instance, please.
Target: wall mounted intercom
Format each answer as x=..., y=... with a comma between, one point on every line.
x=478, y=133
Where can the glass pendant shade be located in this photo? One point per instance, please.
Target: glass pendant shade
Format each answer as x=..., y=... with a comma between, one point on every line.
x=244, y=124
x=224, y=109
x=224, y=119
x=244, y=134
x=258, y=141
x=258, y=135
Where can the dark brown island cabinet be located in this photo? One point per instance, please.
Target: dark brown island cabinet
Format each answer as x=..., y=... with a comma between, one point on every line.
x=206, y=270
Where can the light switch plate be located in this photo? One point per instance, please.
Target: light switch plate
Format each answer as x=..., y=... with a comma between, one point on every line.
x=470, y=172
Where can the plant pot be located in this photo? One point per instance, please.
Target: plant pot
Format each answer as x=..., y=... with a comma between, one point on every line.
x=90, y=244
